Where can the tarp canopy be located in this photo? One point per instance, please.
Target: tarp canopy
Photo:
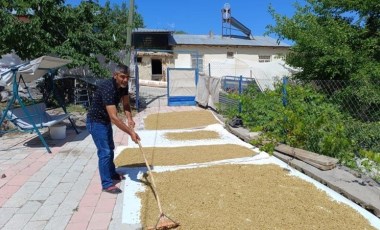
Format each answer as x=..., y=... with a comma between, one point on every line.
x=34, y=69
x=10, y=59
x=266, y=74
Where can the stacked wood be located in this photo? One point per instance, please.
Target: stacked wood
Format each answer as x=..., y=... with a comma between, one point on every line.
x=319, y=161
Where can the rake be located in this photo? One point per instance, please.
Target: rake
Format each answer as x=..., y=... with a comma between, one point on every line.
x=163, y=222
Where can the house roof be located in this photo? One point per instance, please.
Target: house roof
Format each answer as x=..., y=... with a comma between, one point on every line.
x=147, y=30
x=218, y=40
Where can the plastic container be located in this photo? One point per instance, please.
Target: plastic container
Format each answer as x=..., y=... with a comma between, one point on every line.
x=58, y=131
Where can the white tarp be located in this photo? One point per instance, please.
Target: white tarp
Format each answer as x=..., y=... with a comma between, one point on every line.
x=269, y=73
x=182, y=82
x=266, y=73
x=10, y=59
x=34, y=69
x=208, y=91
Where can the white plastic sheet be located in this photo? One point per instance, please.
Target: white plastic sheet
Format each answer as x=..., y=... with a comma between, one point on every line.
x=34, y=69
x=208, y=91
x=182, y=82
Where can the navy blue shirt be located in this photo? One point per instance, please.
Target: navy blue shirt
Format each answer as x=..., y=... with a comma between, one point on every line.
x=107, y=93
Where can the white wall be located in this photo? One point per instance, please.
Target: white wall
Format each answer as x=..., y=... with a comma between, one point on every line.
x=244, y=58
x=182, y=60
x=240, y=64
x=145, y=68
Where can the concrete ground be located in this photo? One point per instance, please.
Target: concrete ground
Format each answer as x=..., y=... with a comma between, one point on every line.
x=62, y=190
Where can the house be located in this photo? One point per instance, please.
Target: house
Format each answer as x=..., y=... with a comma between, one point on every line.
x=215, y=55
x=153, y=54
x=220, y=55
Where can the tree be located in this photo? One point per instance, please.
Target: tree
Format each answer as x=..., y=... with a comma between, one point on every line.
x=79, y=33
x=179, y=32
x=337, y=40
x=334, y=39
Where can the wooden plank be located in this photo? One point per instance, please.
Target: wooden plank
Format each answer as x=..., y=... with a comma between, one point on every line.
x=306, y=155
x=285, y=158
x=240, y=132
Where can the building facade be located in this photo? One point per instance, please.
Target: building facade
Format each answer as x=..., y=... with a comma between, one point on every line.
x=213, y=55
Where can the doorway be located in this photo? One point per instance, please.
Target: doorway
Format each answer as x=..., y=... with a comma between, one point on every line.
x=156, y=69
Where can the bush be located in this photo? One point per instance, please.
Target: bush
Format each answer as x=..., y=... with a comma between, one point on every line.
x=309, y=121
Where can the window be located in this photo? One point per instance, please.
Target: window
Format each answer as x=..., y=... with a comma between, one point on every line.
x=264, y=58
x=230, y=54
x=194, y=58
x=280, y=57
x=139, y=59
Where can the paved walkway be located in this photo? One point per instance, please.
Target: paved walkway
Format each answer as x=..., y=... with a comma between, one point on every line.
x=60, y=190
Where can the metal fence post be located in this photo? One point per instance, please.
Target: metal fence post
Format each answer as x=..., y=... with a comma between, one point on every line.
x=284, y=93
x=137, y=85
x=209, y=69
x=240, y=91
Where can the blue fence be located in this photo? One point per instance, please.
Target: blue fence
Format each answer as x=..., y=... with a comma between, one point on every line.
x=233, y=85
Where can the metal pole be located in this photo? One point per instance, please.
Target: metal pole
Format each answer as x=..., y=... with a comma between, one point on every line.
x=129, y=32
x=284, y=93
x=240, y=91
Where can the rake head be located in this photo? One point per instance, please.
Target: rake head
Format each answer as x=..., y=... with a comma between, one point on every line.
x=164, y=223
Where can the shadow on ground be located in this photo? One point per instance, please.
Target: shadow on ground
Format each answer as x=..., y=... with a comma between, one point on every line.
x=32, y=140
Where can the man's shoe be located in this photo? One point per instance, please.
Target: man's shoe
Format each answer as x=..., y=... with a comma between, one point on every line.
x=118, y=177
x=113, y=190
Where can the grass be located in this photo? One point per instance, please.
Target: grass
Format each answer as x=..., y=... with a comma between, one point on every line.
x=76, y=108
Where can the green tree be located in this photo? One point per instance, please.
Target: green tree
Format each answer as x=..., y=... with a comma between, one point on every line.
x=337, y=40
x=179, y=32
x=75, y=32
x=334, y=39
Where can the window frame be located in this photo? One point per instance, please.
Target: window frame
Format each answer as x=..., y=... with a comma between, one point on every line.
x=200, y=61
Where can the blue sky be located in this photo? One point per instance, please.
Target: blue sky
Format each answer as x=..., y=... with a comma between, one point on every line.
x=203, y=16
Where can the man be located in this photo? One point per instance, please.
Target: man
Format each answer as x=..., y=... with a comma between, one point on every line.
x=101, y=115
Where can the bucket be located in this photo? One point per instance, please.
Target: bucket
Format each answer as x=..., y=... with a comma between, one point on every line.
x=58, y=131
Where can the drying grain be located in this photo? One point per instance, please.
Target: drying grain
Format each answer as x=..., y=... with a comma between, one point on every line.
x=193, y=135
x=181, y=155
x=245, y=197
x=179, y=120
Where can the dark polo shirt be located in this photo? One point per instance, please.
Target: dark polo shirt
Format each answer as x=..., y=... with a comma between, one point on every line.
x=107, y=93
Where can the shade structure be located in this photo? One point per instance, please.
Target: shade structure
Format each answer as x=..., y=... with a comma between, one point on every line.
x=28, y=72
x=34, y=69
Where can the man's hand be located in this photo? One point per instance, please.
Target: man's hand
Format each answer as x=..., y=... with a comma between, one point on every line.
x=131, y=123
x=135, y=137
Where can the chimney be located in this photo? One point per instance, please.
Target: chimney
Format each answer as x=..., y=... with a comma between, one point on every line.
x=211, y=34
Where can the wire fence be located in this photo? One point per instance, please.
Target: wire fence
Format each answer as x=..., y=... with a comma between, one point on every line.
x=330, y=117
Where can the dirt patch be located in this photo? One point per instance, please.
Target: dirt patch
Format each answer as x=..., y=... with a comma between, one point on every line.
x=179, y=120
x=195, y=135
x=181, y=155
x=245, y=197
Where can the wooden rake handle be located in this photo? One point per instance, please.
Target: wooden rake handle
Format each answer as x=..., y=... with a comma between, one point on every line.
x=151, y=175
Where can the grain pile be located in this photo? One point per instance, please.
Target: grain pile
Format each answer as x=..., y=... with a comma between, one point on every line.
x=229, y=196
x=245, y=197
x=181, y=155
x=193, y=135
x=179, y=120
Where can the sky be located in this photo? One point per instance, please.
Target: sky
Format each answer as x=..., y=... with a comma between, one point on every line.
x=204, y=16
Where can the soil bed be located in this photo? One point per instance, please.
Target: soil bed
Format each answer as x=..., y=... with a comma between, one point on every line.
x=245, y=197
